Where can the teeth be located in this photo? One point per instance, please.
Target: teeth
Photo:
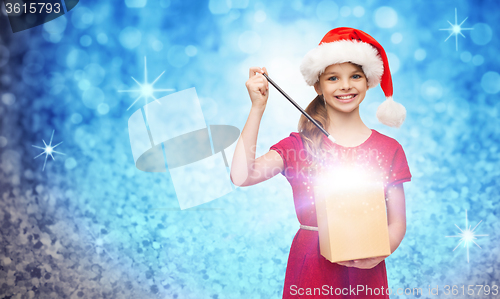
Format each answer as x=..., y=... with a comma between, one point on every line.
x=346, y=97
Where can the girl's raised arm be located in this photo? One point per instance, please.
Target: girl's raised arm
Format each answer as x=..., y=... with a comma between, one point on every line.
x=245, y=169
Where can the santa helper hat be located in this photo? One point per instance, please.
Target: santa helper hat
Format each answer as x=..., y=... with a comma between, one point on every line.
x=345, y=44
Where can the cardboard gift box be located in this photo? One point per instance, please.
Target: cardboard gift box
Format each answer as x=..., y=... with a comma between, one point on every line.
x=352, y=220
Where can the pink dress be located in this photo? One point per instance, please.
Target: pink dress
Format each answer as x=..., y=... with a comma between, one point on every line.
x=308, y=273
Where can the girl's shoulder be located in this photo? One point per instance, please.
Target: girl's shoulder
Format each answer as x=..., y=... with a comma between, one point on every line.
x=292, y=141
x=382, y=140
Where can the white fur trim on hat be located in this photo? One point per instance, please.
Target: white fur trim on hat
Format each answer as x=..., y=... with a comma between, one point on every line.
x=391, y=113
x=318, y=59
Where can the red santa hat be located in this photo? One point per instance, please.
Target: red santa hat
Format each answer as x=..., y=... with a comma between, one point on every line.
x=345, y=44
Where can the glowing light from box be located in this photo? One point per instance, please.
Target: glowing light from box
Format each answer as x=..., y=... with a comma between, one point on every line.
x=349, y=178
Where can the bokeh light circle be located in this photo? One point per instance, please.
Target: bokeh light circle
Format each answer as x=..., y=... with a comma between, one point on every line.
x=103, y=108
x=481, y=34
x=466, y=56
x=92, y=97
x=78, y=75
x=431, y=90
x=177, y=56
x=56, y=26
x=219, y=6
x=327, y=11
x=396, y=38
x=490, y=82
x=81, y=17
x=420, y=54
x=130, y=37
x=70, y=163
x=234, y=14
x=358, y=11
x=85, y=40
x=260, y=16
x=76, y=118
x=77, y=59
x=3, y=141
x=94, y=73
x=191, y=51
x=102, y=38
x=345, y=11
x=386, y=17
x=157, y=45
x=135, y=3
x=8, y=98
x=84, y=84
x=477, y=60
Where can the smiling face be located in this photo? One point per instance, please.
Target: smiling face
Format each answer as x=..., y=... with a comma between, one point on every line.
x=343, y=86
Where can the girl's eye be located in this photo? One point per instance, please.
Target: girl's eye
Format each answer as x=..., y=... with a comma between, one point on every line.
x=356, y=76
x=333, y=78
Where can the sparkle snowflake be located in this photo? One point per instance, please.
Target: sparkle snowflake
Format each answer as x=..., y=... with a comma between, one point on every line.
x=146, y=90
x=467, y=235
x=456, y=29
x=97, y=244
x=48, y=150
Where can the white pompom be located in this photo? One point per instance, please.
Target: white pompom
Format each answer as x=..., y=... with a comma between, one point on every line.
x=391, y=113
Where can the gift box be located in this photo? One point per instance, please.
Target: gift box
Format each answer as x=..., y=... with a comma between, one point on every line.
x=352, y=219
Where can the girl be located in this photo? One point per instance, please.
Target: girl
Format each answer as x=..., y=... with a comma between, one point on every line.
x=342, y=68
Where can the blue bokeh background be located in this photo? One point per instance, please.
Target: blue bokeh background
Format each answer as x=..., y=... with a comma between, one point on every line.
x=92, y=225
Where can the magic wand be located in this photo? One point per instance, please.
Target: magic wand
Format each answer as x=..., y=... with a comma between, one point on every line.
x=300, y=108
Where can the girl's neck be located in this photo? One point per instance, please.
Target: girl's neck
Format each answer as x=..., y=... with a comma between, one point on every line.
x=347, y=128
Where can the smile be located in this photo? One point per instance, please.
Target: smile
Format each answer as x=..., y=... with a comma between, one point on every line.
x=346, y=98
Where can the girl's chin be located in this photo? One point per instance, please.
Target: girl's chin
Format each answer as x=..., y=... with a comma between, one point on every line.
x=345, y=108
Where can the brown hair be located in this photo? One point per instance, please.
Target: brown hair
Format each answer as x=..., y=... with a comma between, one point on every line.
x=312, y=137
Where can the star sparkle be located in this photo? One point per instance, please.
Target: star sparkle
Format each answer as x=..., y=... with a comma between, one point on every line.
x=98, y=244
x=48, y=150
x=146, y=89
x=467, y=235
x=456, y=29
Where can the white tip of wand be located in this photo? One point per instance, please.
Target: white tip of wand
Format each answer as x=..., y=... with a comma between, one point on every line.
x=331, y=138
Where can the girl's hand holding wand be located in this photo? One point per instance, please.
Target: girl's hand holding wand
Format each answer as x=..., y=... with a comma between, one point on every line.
x=258, y=87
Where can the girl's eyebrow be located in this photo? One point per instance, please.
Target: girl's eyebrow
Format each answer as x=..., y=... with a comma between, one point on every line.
x=335, y=73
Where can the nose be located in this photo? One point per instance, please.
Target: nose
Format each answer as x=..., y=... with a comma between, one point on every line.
x=346, y=85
